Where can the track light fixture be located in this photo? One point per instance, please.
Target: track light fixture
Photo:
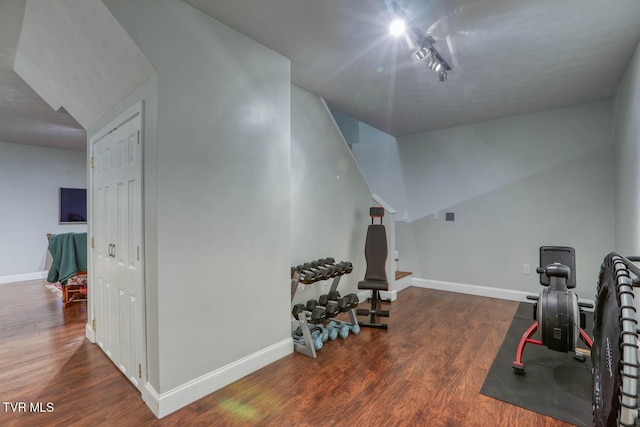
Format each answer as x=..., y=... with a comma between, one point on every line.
x=426, y=50
x=431, y=63
x=423, y=53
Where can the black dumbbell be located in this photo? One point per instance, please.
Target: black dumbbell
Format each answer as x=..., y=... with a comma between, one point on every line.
x=308, y=277
x=310, y=274
x=348, y=267
x=312, y=306
x=305, y=276
x=321, y=263
x=320, y=311
x=327, y=261
x=353, y=300
x=349, y=301
x=297, y=309
x=331, y=308
x=336, y=270
x=341, y=304
x=328, y=271
x=317, y=263
x=315, y=315
x=320, y=273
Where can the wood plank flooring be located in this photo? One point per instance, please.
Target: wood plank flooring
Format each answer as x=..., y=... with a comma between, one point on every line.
x=426, y=370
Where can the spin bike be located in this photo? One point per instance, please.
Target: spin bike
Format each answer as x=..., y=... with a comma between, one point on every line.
x=558, y=315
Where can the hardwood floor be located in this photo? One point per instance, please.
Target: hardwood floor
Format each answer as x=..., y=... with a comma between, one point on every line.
x=426, y=370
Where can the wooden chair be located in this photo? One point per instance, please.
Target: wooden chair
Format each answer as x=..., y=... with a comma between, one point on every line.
x=74, y=287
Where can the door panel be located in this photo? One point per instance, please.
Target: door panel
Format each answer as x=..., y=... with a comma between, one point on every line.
x=117, y=208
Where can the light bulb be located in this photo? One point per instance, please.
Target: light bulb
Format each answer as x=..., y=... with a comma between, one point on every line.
x=397, y=27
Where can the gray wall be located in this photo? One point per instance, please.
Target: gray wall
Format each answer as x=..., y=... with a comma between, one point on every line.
x=30, y=179
x=330, y=199
x=349, y=127
x=378, y=158
x=514, y=184
x=223, y=188
x=627, y=158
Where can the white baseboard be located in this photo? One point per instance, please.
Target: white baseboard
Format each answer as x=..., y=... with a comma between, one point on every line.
x=389, y=295
x=172, y=400
x=90, y=333
x=24, y=277
x=403, y=283
x=484, y=291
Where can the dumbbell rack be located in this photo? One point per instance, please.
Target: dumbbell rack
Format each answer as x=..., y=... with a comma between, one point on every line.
x=303, y=321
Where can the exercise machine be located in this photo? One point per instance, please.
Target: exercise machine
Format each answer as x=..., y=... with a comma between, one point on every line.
x=375, y=278
x=615, y=343
x=557, y=313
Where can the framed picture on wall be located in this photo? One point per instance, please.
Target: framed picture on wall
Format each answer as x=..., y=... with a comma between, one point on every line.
x=73, y=205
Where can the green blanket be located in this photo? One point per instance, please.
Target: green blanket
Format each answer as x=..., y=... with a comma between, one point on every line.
x=69, y=254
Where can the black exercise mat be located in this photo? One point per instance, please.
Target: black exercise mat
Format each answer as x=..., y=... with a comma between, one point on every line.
x=555, y=384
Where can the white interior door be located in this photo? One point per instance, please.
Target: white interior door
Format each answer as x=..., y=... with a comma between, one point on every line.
x=117, y=276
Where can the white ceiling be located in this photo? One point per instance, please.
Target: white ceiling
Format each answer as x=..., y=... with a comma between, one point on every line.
x=24, y=117
x=46, y=99
x=511, y=57
x=59, y=35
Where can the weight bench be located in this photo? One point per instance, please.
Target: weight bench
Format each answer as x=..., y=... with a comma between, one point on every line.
x=375, y=278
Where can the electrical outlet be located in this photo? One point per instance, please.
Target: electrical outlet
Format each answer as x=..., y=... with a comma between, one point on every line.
x=526, y=268
x=405, y=215
x=436, y=215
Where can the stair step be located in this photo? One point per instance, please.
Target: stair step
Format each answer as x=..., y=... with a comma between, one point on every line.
x=401, y=274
